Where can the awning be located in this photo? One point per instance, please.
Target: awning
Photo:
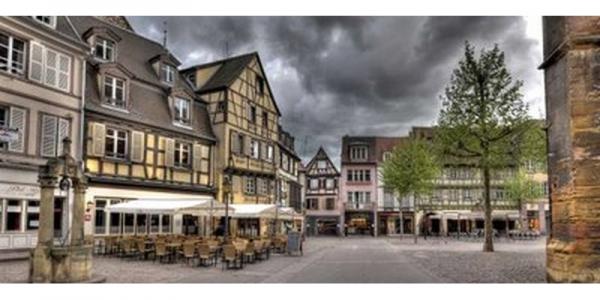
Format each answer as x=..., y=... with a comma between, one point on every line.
x=240, y=211
x=199, y=206
x=288, y=213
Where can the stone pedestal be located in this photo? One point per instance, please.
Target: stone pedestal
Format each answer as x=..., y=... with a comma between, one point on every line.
x=572, y=80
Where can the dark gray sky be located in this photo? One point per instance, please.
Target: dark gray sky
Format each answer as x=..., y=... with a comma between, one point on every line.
x=333, y=76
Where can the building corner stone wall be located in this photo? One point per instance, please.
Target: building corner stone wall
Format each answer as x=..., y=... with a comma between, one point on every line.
x=572, y=81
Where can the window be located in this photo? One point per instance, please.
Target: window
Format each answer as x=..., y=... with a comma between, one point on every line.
x=312, y=203
x=4, y=123
x=104, y=49
x=49, y=67
x=116, y=143
x=192, y=78
x=13, y=215
x=167, y=74
x=182, y=110
x=250, y=188
x=182, y=154
x=114, y=91
x=367, y=175
x=330, y=203
x=321, y=164
x=166, y=223
x=53, y=131
x=329, y=183
x=265, y=119
x=12, y=55
x=314, y=184
x=260, y=85
x=154, y=219
x=237, y=143
x=129, y=224
x=141, y=224
x=254, y=149
x=252, y=114
x=46, y=20
x=387, y=155
x=270, y=153
x=116, y=220
x=33, y=215
x=358, y=153
x=100, y=217
x=221, y=106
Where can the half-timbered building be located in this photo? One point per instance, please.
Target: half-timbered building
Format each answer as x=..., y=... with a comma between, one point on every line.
x=323, y=207
x=147, y=134
x=245, y=120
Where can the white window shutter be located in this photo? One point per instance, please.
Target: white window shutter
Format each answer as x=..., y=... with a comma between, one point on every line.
x=17, y=121
x=64, y=130
x=197, y=156
x=51, y=71
x=36, y=62
x=64, y=71
x=169, y=152
x=234, y=143
x=247, y=145
x=137, y=146
x=98, y=139
x=48, y=141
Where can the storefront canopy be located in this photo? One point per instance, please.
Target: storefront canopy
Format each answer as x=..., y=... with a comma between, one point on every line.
x=196, y=206
x=241, y=211
x=288, y=213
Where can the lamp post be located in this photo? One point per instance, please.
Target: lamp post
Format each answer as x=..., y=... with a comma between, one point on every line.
x=226, y=194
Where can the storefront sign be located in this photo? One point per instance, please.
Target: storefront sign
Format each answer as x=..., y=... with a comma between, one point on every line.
x=19, y=191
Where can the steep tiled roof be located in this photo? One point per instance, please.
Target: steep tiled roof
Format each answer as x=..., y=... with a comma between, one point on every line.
x=148, y=99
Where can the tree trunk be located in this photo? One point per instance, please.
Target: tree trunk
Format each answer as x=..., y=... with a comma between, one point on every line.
x=415, y=225
x=488, y=245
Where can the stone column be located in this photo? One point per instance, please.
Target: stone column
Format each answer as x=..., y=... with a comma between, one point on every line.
x=77, y=236
x=46, y=222
x=572, y=82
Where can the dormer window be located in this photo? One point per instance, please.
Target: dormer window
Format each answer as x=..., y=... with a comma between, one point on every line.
x=114, y=91
x=104, y=49
x=49, y=21
x=182, y=110
x=167, y=74
x=358, y=153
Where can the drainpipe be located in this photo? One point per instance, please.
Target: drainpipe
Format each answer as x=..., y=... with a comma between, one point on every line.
x=82, y=111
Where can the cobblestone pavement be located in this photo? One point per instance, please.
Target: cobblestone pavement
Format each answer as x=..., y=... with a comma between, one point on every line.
x=350, y=260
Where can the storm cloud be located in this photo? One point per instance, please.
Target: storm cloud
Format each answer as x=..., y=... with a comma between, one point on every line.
x=333, y=76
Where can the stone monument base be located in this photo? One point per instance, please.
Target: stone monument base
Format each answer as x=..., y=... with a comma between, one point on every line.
x=61, y=264
x=575, y=261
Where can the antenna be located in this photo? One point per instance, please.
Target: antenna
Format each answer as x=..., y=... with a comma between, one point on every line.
x=165, y=34
x=226, y=49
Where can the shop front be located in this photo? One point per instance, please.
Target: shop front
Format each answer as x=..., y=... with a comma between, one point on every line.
x=359, y=223
x=389, y=223
x=322, y=225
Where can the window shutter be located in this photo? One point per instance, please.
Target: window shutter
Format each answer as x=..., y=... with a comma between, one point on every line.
x=197, y=156
x=51, y=70
x=169, y=152
x=247, y=146
x=48, y=142
x=98, y=139
x=235, y=143
x=63, y=132
x=137, y=146
x=17, y=121
x=64, y=70
x=263, y=151
x=36, y=62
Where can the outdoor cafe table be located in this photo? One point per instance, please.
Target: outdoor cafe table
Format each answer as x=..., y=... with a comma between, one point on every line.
x=172, y=248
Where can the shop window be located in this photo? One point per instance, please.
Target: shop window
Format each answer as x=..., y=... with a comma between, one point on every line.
x=166, y=224
x=13, y=215
x=129, y=224
x=100, y=217
x=141, y=224
x=33, y=215
x=154, y=219
x=116, y=220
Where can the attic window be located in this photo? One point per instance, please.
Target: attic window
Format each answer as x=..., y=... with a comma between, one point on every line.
x=260, y=85
x=49, y=21
x=182, y=111
x=114, y=91
x=104, y=49
x=167, y=74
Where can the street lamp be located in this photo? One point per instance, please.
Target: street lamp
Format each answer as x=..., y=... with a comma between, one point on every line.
x=226, y=194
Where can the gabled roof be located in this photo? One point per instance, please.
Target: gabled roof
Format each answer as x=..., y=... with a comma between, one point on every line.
x=229, y=70
x=321, y=155
x=64, y=29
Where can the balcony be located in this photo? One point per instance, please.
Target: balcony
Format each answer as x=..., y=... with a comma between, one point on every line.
x=250, y=164
x=353, y=206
